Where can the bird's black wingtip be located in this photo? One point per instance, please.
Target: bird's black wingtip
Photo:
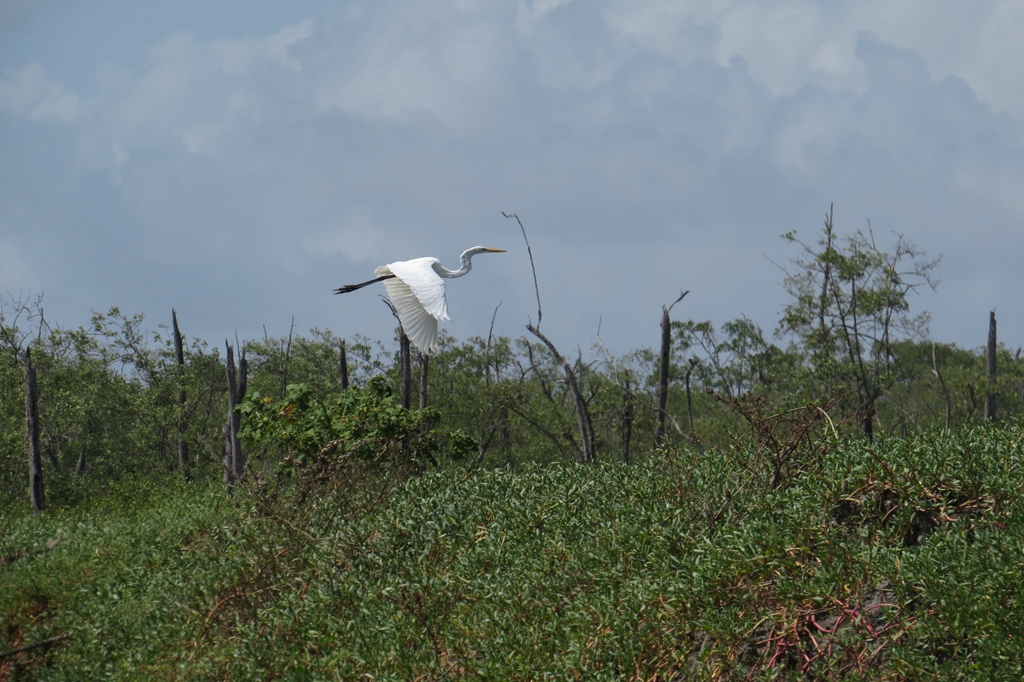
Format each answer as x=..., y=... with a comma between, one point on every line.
x=353, y=287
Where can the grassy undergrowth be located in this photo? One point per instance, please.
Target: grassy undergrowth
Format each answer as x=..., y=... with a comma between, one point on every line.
x=902, y=560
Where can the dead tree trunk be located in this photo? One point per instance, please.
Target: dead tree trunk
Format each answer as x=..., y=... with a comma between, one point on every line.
x=405, y=370
x=179, y=356
x=663, y=367
x=424, y=366
x=35, y=470
x=343, y=367
x=582, y=417
x=666, y=345
x=287, y=360
x=628, y=412
x=236, y=393
x=425, y=457
x=228, y=478
x=990, y=398
x=80, y=467
x=868, y=421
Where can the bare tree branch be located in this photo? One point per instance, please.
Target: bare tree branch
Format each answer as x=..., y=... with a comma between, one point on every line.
x=529, y=251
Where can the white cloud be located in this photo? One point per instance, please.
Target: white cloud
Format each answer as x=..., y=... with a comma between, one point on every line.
x=663, y=143
x=29, y=91
x=243, y=55
x=201, y=95
x=789, y=44
x=530, y=14
x=402, y=62
x=994, y=69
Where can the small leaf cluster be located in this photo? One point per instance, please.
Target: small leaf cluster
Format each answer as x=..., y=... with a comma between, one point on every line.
x=359, y=424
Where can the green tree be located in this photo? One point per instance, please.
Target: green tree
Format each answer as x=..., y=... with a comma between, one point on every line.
x=850, y=305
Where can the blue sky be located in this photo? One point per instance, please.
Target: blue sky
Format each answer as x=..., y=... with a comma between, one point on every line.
x=238, y=160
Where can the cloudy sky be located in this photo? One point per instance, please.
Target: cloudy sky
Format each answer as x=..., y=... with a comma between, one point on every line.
x=237, y=159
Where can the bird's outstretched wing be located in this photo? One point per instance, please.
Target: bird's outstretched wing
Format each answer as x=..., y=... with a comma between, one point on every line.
x=419, y=275
x=417, y=292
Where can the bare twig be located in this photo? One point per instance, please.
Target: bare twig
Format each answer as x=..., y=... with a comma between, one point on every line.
x=682, y=295
x=529, y=251
x=582, y=417
x=487, y=353
x=942, y=383
x=34, y=645
x=404, y=359
x=690, y=437
x=393, y=311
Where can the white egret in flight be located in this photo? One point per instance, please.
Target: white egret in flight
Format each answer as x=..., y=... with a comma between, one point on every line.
x=416, y=290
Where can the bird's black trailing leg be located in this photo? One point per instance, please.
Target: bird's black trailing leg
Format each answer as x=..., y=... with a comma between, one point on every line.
x=352, y=287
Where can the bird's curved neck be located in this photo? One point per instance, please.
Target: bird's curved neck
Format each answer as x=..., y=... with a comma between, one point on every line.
x=466, y=260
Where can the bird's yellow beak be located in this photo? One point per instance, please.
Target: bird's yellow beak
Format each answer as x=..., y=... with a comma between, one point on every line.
x=495, y=250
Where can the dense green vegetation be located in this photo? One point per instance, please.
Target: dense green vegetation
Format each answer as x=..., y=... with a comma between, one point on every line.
x=834, y=505
x=901, y=560
x=108, y=396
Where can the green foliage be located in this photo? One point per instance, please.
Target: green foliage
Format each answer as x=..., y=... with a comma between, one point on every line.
x=362, y=424
x=313, y=360
x=850, y=303
x=900, y=560
x=107, y=396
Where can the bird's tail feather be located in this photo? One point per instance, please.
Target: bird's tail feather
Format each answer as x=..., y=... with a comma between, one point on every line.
x=352, y=287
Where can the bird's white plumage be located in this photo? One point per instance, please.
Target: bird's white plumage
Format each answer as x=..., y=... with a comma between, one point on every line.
x=416, y=290
x=417, y=293
x=422, y=278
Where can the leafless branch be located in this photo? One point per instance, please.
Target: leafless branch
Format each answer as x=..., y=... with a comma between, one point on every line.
x=34, y=645
x=582, y=415
x=533, y=267
x=682, y=295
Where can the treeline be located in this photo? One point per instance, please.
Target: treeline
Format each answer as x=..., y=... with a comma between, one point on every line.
x=118, y=399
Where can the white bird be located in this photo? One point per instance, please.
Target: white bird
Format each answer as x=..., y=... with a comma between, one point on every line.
x=416, y=290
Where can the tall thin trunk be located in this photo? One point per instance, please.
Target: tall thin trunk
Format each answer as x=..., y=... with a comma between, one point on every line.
x=80, y=467
x=179, y=356
x=229, y=445
x=628, y=413
x=424, y=366
x=228, y=469
x=343, y=366
x=826, y=277
x=868, y=421
x=484, y=445
x=663, y=365
x=287, y=360
x=236, y=393
x=35, y=469
x=689, y=394
x=990, y=398
x=425, y=456
x=942, y=384
x=243, y=379
x=405, y=371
